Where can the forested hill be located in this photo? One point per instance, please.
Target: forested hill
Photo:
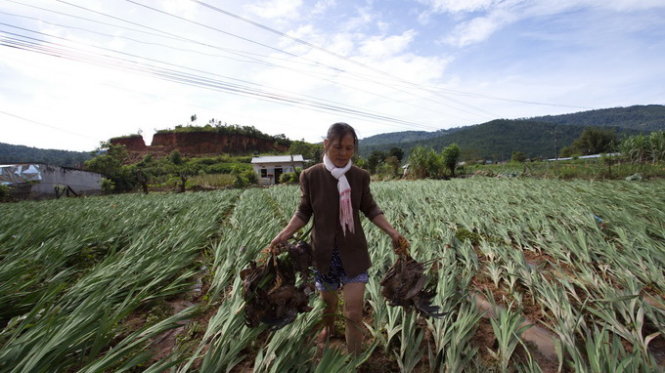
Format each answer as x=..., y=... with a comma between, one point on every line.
x=638, y=117
x=499, y=138
x=25, y=154
x=536, y=137
x=403, y=137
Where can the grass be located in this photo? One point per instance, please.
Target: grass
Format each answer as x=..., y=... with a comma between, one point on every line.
x=86, y=284
x=588, y=169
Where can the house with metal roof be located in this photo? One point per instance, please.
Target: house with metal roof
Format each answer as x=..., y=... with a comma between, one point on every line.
x=37, y=181
x=269, y=168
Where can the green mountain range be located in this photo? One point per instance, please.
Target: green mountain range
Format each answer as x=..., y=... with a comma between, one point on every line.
x=25, y=154
x=536, y=137
x=638, y=117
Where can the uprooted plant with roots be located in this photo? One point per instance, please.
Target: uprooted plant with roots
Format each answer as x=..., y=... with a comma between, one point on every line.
x=405, y=284
x=270, y=291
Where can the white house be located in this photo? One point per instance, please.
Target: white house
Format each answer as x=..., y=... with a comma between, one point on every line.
x=268, y=169
x=34, y=180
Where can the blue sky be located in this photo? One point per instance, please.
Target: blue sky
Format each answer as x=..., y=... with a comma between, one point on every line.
x=95, y=69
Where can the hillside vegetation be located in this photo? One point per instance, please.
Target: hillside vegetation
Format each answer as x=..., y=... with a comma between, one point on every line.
x=536, y=137
x=402, y=137
x=497, y=139
x=638, y=117
x=25, y=154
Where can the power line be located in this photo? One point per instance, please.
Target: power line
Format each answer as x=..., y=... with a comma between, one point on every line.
x=382, y=83
x=130, y=39
x=430, y=89
x=371, y=68
x=152, y=60
x=45, y=125
x=379, y=82
x=334, y=68
x=481, y=95
x=250, y=59
x=158, y=33
x=54, y=49
x=185, y=19
x=235, y=35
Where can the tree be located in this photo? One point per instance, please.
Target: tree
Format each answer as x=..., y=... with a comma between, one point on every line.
x=182, y=171
x=110, y=163
x=361, y=162
x=390, y=167
x=567, y=151
x=518, y=157
x=595, y=141
x=142, y=179
x=450, y=156
x=175, y=157
x=397, y=153
x=374, y=160
x=308, y=151
x=424, y=162
x=109, y=155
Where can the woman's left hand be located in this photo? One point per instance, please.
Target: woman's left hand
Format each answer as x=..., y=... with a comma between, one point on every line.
x=381, y=222
x=396, y=237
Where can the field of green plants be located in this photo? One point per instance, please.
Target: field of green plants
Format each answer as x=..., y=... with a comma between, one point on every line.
x=590, y=169
x=535, y=275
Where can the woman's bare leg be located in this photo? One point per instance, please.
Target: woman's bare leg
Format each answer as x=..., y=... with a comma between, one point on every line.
x=330, y=299
x=353, y=311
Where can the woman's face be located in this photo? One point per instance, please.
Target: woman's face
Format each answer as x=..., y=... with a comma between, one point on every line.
x=340, y=151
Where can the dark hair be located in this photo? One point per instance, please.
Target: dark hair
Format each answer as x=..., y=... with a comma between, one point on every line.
x=339, y=130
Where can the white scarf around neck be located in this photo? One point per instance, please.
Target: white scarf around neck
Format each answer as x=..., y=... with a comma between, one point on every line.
x=344, y=189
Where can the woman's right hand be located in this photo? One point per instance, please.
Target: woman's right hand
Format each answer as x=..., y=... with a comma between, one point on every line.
x=280, y=238
x=401, y=245
x=287, y=232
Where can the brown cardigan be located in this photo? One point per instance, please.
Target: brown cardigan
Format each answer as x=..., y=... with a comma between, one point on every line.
x=319, y=197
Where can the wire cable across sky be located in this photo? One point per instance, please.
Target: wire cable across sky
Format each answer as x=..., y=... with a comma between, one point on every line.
x=58, y=50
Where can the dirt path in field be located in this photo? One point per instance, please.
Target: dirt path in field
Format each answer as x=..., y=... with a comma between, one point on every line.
x=191, y=330
x=543, y=340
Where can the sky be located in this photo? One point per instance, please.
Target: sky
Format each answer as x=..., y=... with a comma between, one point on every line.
x=75, y=73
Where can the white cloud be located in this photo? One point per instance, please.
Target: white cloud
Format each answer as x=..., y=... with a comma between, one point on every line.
x=95, y=102
x=103, y=102
x=478, y=29
x=499, y=14
x=455, y=6
x=303, y=31
x=342, y=44
x=289, y=9
x=183, y=8
x=323, y=6
x=365, y=16
x=377, y=46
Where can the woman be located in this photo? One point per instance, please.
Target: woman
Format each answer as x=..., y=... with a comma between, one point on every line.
x=334, y=191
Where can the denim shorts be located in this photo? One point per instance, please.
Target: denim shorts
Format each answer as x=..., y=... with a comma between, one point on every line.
x=336, y=276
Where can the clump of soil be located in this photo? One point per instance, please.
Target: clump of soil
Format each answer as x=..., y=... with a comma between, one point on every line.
x=404, y=284
x=269, y=290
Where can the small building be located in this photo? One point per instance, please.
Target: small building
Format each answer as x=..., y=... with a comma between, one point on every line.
x=37, y=181
x=269, y=168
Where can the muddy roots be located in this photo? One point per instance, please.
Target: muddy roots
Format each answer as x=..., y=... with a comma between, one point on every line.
x=269, y=290
x=405, y=285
